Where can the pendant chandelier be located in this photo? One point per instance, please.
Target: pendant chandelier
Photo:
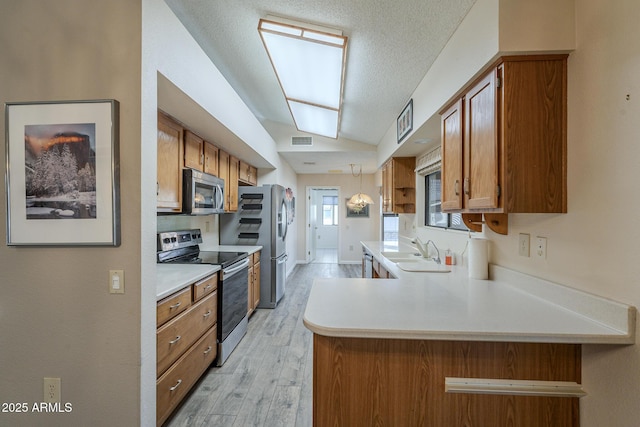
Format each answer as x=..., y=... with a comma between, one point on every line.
x=358, y=201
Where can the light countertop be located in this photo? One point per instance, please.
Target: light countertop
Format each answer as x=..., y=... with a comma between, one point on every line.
x=171, y=278
x=449, y=306
x=233, y=248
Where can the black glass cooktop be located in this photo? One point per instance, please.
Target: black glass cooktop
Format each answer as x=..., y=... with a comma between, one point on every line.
x=223, y=259
x=193, y=255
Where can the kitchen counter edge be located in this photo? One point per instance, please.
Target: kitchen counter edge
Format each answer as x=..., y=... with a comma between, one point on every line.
x=611, y=322
x=171, y=278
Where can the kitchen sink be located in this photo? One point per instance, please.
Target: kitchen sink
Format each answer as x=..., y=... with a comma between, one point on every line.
x=395, y=256
x=424, y=266
x=414, y=261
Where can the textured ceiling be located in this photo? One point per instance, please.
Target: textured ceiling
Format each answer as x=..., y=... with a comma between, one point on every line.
x=391, y=46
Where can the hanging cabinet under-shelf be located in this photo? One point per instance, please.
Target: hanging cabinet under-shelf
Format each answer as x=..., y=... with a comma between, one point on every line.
x=504, y=141
x=399, y=185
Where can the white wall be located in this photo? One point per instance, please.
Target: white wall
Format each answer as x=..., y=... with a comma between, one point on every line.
x=351, y=230
x=593, y=246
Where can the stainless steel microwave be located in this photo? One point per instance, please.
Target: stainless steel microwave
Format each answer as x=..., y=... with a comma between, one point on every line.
x=202, y=194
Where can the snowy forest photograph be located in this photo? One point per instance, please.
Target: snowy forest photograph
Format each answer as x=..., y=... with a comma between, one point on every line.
x=60, y=171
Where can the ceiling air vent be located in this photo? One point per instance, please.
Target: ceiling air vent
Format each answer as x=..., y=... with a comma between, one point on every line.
x=301, y=140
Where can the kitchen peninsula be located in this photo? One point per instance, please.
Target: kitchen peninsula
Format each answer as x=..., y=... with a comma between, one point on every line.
x=384, y=349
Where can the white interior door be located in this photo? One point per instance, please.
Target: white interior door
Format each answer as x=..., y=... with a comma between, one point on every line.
x=312, y=225
x=314, y=220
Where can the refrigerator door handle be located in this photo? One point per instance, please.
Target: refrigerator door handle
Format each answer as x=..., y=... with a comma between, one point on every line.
x=283, y=260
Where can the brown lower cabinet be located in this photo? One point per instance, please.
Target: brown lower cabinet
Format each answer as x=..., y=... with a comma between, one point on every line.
x=393, y=382
x=379, y=272
x=253, y=285
x=185, y=340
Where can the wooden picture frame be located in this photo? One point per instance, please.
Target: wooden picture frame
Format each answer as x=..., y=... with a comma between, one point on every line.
x=404, y=124
x=62, y=173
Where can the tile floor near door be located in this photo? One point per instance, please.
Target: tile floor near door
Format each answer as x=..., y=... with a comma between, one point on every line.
x=267, y=380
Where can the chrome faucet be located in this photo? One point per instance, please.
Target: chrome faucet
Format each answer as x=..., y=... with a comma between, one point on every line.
x=424, y=249
x=421, y=247
x=437, y=258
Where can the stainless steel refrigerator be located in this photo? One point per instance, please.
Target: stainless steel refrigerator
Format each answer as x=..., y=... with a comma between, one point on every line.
x=261, y=219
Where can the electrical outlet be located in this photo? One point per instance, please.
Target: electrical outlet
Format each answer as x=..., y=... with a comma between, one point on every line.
x=524, y=244
x=51, y=390
x=541, y=247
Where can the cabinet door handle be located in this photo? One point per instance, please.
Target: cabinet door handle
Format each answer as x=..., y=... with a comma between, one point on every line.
x=175, y=340
x=175, y=386
x=201, y=158
x=466, y=186
x=208, y=350
x=456, y=187
x=207, y=314
x=174, y=306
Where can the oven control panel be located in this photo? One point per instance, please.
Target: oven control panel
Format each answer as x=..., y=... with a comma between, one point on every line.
x=168, y=240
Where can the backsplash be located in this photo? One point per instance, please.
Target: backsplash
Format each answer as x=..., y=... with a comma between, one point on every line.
x=208, y=224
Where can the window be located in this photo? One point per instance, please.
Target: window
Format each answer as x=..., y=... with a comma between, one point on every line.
x=434, y=216
x=390, y=227
x=329, y=210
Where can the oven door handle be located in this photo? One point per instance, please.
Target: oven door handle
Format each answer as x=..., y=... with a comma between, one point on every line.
x=228, y=272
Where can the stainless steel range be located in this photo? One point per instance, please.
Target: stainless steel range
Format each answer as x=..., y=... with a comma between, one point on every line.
x=182, y=247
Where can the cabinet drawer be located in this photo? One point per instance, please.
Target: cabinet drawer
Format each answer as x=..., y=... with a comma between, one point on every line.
x=173, y=305
x=177, y=335
x=176, y=382
x=205, y=287
x=256, y=257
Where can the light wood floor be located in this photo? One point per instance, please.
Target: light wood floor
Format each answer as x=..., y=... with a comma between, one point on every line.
x=267, y=380
x=326, y=256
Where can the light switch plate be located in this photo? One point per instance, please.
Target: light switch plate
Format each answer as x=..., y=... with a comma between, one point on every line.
x=116, y=281
x=524, y=244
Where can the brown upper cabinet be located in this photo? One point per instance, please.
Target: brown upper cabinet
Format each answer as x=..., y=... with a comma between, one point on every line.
x=228, y=167
x=247, y=174
x=399, y=185
x=180, y=148
x=170, y=154
x=200, y=154
x=504, y=146
x=210, y=158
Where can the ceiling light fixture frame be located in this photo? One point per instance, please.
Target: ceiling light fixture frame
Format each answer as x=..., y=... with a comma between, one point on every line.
x=309, y=62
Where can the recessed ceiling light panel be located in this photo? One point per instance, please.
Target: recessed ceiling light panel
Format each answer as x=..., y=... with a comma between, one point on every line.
x=309, y=65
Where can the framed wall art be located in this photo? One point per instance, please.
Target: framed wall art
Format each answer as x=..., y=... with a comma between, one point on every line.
x=62, y=176
x=405, y=121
